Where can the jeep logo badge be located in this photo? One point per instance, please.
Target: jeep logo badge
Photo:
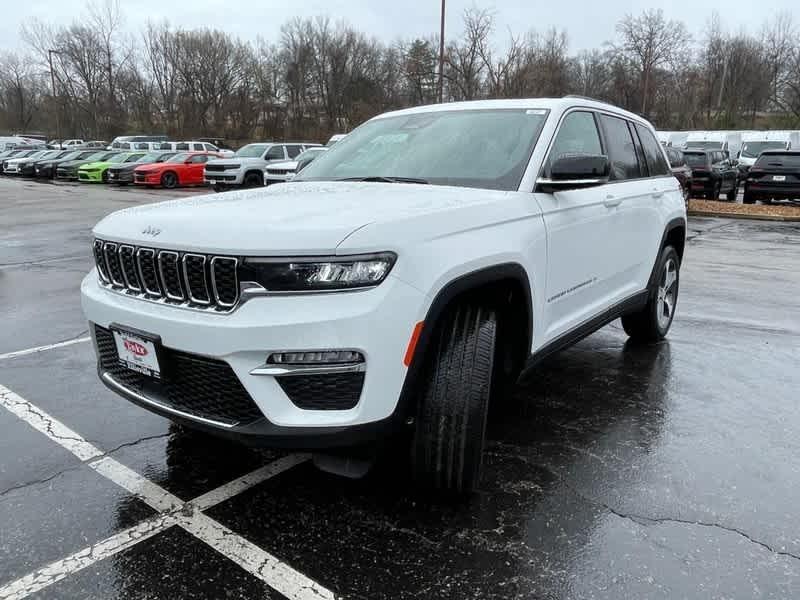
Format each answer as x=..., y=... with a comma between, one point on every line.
x=150, y=230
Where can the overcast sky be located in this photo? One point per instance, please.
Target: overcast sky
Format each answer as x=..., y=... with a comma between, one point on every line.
x=588, y=23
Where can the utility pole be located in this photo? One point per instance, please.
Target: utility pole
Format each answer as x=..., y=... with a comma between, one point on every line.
x=441, y=56
x=55, y=97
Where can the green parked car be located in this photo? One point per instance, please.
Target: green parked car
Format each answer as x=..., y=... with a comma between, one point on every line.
x=97, y=172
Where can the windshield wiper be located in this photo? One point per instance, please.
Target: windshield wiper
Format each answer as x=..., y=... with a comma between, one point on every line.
x=381, y=179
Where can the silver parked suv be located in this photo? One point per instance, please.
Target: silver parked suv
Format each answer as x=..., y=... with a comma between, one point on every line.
x=246, y=167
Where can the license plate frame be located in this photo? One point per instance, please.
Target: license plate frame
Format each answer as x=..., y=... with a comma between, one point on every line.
x=143, y=353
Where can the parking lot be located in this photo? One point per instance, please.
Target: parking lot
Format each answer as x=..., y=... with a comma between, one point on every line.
x=613, y=471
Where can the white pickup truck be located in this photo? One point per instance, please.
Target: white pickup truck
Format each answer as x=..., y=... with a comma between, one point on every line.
x=246, y=167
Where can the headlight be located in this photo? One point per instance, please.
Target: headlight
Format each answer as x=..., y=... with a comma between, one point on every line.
x=318, y=274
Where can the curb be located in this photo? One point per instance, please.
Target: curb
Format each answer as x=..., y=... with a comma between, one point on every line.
x=724, y=215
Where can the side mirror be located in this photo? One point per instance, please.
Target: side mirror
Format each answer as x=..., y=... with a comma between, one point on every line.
x=188, y=161
x=574, y=171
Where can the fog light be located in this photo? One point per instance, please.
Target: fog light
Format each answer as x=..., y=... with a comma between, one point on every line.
x=322, y=357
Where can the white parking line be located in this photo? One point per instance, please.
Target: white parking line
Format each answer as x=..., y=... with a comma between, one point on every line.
x=38, y=349
x=58, y=570
x=275, y=573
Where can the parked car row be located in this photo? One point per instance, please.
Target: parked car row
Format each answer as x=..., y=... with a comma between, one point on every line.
x=262, y=164
x=168, y=169
x=162, y=163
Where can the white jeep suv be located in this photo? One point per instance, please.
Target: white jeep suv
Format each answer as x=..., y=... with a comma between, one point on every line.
x=397, y=285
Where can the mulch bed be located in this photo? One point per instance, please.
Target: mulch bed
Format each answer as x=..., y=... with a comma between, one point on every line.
x=772, y=212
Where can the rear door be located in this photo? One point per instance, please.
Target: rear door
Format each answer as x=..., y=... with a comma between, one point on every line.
x=631, y=213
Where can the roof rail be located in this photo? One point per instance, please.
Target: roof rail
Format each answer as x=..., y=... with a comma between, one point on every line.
x=579, y=97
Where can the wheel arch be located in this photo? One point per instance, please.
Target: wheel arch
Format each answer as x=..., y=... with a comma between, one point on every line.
x=674, y=235
x=505, y=282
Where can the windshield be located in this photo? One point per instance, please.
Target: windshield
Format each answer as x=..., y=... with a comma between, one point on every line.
x=118, y=158
x=789, y=161
x=71, y=156
x=179, y=158
x=753, y=149
x=468, y=148
x=310, y=153
x=150, y=157
x=704, y=145
x=695, y=159
x=252, y=150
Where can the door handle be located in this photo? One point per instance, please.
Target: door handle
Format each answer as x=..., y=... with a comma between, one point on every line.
x=658, y=193
x=611, y=201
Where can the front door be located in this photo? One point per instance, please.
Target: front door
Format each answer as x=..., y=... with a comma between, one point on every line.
x=577, y=282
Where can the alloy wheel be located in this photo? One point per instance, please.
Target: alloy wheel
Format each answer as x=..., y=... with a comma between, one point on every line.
x=667, y=293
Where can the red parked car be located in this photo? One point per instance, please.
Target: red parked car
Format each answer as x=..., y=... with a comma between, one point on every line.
x=185, y=168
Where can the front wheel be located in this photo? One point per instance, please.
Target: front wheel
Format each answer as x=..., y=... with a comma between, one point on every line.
x=748, y=198
x=715, y=191
x=731, y=195
x=169, y=180
x=651, y=323
x=448, y=441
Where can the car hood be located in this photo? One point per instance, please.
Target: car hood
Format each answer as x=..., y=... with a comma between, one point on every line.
x=303, y=218
x=237, y=160
x=287, y=164
x=153, y=167
x=72, y=163
x=95, y=165
x=129, y=166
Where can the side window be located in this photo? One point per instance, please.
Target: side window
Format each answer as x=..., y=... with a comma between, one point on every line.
x=621, y=149
x=210, y=148
x=577, y=135
x=652, y=152
x=293, y=150
x=182, y=146
x=200, y=158
x=274, y=153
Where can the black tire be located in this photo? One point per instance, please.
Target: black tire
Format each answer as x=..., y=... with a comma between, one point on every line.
x=731, y=195
x=687, y=194
x=714, y=195
x=169, y=180
x=447, y=449
x=748, y=198
x=646, y=325
x=219, y=188
x=253, y=180
x=104, y=177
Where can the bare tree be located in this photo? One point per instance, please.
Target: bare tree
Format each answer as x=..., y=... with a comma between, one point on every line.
x=649, y=41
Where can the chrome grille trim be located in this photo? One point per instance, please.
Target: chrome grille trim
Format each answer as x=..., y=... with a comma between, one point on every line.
x=152, y=258
x=163, y=256
x=133, y=286
x=188, y=267
x=188, y=283
x=219, y=302
x=100, y=260
x=110, y=248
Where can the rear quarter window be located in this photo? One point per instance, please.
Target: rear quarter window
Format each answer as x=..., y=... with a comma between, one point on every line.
x=652, y=152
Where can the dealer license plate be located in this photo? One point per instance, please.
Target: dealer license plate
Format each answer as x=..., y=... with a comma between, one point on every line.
x=779, y=178
x=137, y=353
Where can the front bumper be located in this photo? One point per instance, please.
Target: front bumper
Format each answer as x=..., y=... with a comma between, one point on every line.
x=120, y=177
x=90, y=176
x=377, y=322
x=224, y=178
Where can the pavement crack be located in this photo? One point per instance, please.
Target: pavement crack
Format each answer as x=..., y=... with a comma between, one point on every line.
x=132, y=443
x=35, y=482
x=646, y=520
x=43, y=261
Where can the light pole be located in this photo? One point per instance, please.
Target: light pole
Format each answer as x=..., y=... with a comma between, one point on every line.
x=55, y=97
x=441, y=56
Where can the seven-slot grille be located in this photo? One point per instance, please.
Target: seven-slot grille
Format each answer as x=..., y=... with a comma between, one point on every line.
x=183, y=278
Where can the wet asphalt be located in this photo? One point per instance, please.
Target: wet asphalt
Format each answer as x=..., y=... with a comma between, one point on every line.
x=612, y=471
